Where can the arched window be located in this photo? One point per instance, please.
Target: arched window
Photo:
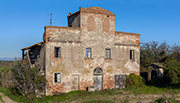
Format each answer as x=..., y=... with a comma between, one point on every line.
x=98, y=70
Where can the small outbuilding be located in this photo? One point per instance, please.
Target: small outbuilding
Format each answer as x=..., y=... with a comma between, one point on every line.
x=155, y=69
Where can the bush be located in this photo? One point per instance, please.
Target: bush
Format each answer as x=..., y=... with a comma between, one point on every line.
x=1, y=99
x=172, y=72
x=27, y=80
x=6, y=75
x=133, y=80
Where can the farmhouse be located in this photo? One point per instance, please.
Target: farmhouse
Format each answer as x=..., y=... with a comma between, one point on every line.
x=89, y=52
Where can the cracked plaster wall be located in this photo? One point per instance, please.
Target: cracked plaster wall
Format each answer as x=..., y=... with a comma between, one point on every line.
x=73, y=61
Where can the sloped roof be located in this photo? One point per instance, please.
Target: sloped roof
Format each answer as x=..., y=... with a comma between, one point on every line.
x=37, y=44
x=98, y=10
x=158, y=64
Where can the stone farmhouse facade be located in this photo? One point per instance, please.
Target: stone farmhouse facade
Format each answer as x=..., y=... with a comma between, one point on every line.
x=89, y=52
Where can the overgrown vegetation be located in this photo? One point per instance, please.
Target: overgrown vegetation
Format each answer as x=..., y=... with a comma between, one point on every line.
x=21, y=79
x=1, y=99
x=5, y=74
x=98, y=101
x=172, y=72
x=27, y=79
x=114, y=95
x=133, y=80
x=167, y=55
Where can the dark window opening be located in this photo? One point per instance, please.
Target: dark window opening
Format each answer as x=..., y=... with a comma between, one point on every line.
x=98, y=70
x=57, y=77
x=57, y=52
x=88, y=53
x=131, y=54
x=108, y=53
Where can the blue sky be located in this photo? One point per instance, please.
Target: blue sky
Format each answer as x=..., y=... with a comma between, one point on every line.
x=22, y=21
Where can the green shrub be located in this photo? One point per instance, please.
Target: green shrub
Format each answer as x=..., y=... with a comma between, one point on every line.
x=1, y=99
x=27, y=79
x=143, y=69
x=6, y=76
x=172, y=72
x=133, y=80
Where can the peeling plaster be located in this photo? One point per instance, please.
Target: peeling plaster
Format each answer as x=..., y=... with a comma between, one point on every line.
x=73, y=42
x=132, y=66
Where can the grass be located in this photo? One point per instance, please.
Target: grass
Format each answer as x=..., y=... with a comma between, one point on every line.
x=151, y=90
x=14, y=96
x=165, y=100
x=1, y=99
x=90, y=97
x=98, y=101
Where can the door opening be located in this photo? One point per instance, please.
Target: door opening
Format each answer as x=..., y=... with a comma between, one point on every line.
x=98, y=79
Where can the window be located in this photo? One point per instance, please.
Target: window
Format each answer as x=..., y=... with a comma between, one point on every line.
x=57, y=52
x=131, y=54
x=57, y=77
x=108, y=53
x=88, y=52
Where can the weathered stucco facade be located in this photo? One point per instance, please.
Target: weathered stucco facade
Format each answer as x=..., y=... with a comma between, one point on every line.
x=93, y=28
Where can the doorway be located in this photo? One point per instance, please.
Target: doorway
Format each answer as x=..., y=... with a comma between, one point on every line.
x=75, y=82
x=98, y=78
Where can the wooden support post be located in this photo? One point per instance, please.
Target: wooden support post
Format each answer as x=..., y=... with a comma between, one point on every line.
x=28, y=58
x=22, y=54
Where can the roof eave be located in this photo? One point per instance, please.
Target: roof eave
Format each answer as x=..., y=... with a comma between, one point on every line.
x=33, y=45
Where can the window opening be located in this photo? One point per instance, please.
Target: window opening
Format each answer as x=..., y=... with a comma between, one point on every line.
x=57, y=52
x=88, y=53
x=108, y=53
x=57, y=77
x=131, y=54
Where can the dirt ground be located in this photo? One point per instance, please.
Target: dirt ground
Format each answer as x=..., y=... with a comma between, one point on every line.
x=6, y=99
x=119, y=98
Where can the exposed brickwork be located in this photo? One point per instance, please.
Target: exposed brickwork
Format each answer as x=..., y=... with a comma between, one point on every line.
x=127, y=38
x=97, y=10
x=106, y=25
x=97, y=31
x=91, y=24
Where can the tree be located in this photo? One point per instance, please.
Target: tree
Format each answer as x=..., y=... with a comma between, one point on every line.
x=153, y=52
x=175, y=49
x=27, y=79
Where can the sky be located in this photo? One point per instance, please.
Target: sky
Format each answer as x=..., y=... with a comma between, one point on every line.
x=22, y=22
